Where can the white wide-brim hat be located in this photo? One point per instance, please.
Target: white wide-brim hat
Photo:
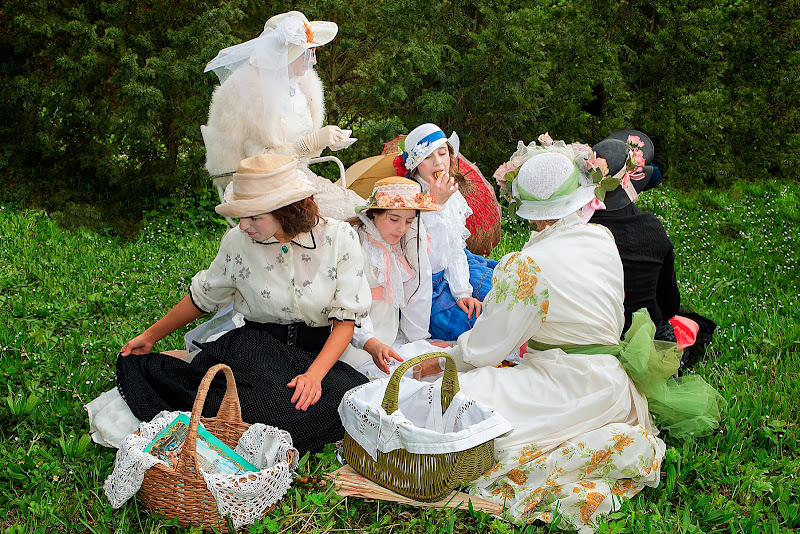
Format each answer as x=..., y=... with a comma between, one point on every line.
x=262, y=184
x=423, y=140
x=550, y=186
x=318, y=32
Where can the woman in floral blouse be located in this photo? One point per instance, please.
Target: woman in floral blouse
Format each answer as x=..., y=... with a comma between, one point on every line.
x=298, y=280
x=578, y=400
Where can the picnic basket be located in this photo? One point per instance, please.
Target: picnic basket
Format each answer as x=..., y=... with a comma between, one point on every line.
x=426, y=477
x=182, y=492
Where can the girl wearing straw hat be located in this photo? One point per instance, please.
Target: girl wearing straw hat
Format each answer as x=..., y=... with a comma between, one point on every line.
x=297, y=279
x=395, y=248
x=580, y=401
x=270, y=99
x=460, y=279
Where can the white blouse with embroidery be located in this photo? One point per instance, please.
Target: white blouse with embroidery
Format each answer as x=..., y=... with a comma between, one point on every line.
x=317, y=277
x=448, y=233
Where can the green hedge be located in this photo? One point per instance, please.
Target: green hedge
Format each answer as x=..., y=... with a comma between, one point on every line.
x=102, y=101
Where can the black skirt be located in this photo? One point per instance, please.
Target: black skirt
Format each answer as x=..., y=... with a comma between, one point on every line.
x=262, y=366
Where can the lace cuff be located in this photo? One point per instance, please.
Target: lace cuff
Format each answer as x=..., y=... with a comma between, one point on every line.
x=340, y=314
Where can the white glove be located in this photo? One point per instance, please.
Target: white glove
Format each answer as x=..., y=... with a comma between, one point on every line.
x=316, y=141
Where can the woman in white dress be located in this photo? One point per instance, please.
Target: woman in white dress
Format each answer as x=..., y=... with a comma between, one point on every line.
x=395, y=247
x=270, y=100
x=582, y=434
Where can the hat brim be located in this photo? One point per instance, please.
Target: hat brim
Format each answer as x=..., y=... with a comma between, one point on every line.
x=648, y=151
x=265, y=203
x=359, y=209
x=618, y=198
x=324, y=31
x=546, y=210
x=453, y=141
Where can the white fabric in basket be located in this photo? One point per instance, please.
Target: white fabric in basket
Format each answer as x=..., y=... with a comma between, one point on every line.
x=243, y=497
x=418, y=425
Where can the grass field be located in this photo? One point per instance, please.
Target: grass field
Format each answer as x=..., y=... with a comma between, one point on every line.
x=70, y=299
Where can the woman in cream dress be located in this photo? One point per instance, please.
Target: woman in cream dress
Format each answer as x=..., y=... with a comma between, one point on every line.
x=583, y=437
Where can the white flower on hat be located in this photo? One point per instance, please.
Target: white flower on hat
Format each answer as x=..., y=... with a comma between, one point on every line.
x=417, y=154
x=292, y=31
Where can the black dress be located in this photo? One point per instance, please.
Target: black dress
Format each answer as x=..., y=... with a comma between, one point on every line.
x=648, y=261
x=262, y=366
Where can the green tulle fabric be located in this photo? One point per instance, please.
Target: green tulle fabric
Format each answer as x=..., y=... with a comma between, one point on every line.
x=684, y=406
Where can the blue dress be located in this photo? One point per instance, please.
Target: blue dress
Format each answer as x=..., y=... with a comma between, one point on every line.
x=448, y=321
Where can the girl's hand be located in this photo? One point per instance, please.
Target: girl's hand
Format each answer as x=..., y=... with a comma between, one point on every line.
x=138, y=345
x=381, y=353
x=470, y=304
x=442, y=344
x=442, y=187
x=426, y=368
x=307, y=391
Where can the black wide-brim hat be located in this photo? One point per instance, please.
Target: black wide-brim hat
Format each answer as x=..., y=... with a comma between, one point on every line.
x=648, y=150
x=615, y=152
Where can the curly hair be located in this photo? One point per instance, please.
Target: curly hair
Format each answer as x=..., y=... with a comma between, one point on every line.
x=298, y=217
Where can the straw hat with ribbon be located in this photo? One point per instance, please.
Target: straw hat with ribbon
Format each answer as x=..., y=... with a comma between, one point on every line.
x=396, y=193
x=262, y=184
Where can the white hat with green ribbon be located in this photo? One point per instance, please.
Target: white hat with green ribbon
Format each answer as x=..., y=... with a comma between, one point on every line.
x=551, y=185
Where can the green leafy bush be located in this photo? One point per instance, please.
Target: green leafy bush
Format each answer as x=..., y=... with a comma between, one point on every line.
x=103, y=101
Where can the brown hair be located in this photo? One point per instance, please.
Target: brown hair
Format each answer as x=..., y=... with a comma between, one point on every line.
x=356, y=222
x=298, y=217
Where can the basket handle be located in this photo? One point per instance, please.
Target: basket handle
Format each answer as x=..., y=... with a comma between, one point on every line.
x=449, y=381
x=229, y=408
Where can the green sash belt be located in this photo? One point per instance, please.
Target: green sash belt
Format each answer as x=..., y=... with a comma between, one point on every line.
x=684, y=406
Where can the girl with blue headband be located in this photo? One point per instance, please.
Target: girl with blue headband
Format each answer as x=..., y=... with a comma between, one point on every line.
x=461, y=279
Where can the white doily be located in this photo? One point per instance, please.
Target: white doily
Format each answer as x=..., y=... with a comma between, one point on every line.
x=244, y=497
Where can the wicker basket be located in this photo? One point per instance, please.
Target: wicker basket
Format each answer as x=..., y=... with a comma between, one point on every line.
x=422, y=477
x=181, y=492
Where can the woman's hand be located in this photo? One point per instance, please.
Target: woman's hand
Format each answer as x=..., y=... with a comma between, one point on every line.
x=442, y=187
x=381, y=353
x=319, y=139
x=138, y=345
x=307, y=390
x=470, y=304
x=442, y=344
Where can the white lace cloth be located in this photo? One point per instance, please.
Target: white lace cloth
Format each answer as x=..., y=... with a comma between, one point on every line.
x=243, y=497
x=418, y=425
